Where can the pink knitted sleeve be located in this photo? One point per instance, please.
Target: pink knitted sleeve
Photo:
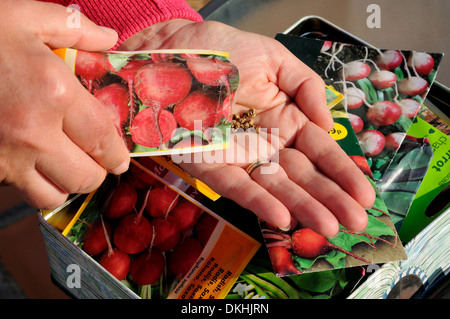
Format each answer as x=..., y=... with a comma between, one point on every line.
x=128, y=17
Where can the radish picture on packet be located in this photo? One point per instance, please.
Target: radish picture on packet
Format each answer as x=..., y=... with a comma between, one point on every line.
x=384, y=90
x=161, y=102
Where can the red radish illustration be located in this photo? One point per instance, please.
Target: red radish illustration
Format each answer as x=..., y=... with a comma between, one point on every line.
x=308, y=244
x=282, y=261
x=421, y=62
x=122, y=201
x=355, y=70
x=394, y=140
x=356, y=122
x=147, y=267
x=166, y=233
x=362, y=164
x=186, y=214
x=410, y=107
x=389, y=60
x=371, y=141
x=382, y=79
x=355, y=97
x=90, y=66
x=139, y=178
x=161, y=201
x=197, y=106
x=159, y=85
x=134, y=232
x=211, y=72
x=144, y=131
x=128, y=74
x=116, y=262
x=413, y=86
x=115, y=98
x=384, y=113
x=184, y=257
x=95, y=241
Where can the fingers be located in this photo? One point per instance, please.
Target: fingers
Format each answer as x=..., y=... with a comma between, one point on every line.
x=334, y=163
x=304, y=207
x=61, y=27
x=306, y=87
x=334, y=199
x=234, y=183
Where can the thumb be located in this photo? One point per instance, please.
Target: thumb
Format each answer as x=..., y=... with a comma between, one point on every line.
x=67, y=27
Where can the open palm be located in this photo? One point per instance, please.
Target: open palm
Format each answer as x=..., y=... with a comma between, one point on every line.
x=309, y=178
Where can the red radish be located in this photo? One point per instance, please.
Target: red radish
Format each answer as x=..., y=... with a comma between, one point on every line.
x=147, y=267
x=355, y=70
x=90, y=66
x=166, y=234
x=210, y=71
x=326, y=46
x=382, y=79
x=122, y=201
x=371, y=141
x=159, y=85
x=197, y=106
x=410, y=107
x=161, y=201
x=356, y=122
x=355, y=97
x=134, y=232
x=144, y=132
x=116, y=262
x=394, y=140
x=384, y=113
x=412, y=86
x=282, y=261
x=184, y=257
x=362, y=164
x=422, y=62
x=186, y=214
x=95, y=241
x=389, y=60
x=139, y=178
x=128, y=73
x=115, y=98
x=308, y=244
x=205, y=227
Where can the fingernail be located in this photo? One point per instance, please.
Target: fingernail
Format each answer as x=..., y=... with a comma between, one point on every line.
x=122, y=168
x=108, y=30
x=287, y=228
x=337, y=234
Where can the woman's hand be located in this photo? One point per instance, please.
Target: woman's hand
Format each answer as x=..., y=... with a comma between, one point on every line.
x=55, y=137
x=310, y=176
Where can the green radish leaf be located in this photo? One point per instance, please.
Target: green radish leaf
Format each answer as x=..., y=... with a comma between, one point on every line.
x=118, y=61
x=399, y=73
x=317, y=281
x=140, y=149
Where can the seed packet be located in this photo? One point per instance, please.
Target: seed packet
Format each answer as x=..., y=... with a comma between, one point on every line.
x=161, y=102
x=383, y=88
x=300, y=250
